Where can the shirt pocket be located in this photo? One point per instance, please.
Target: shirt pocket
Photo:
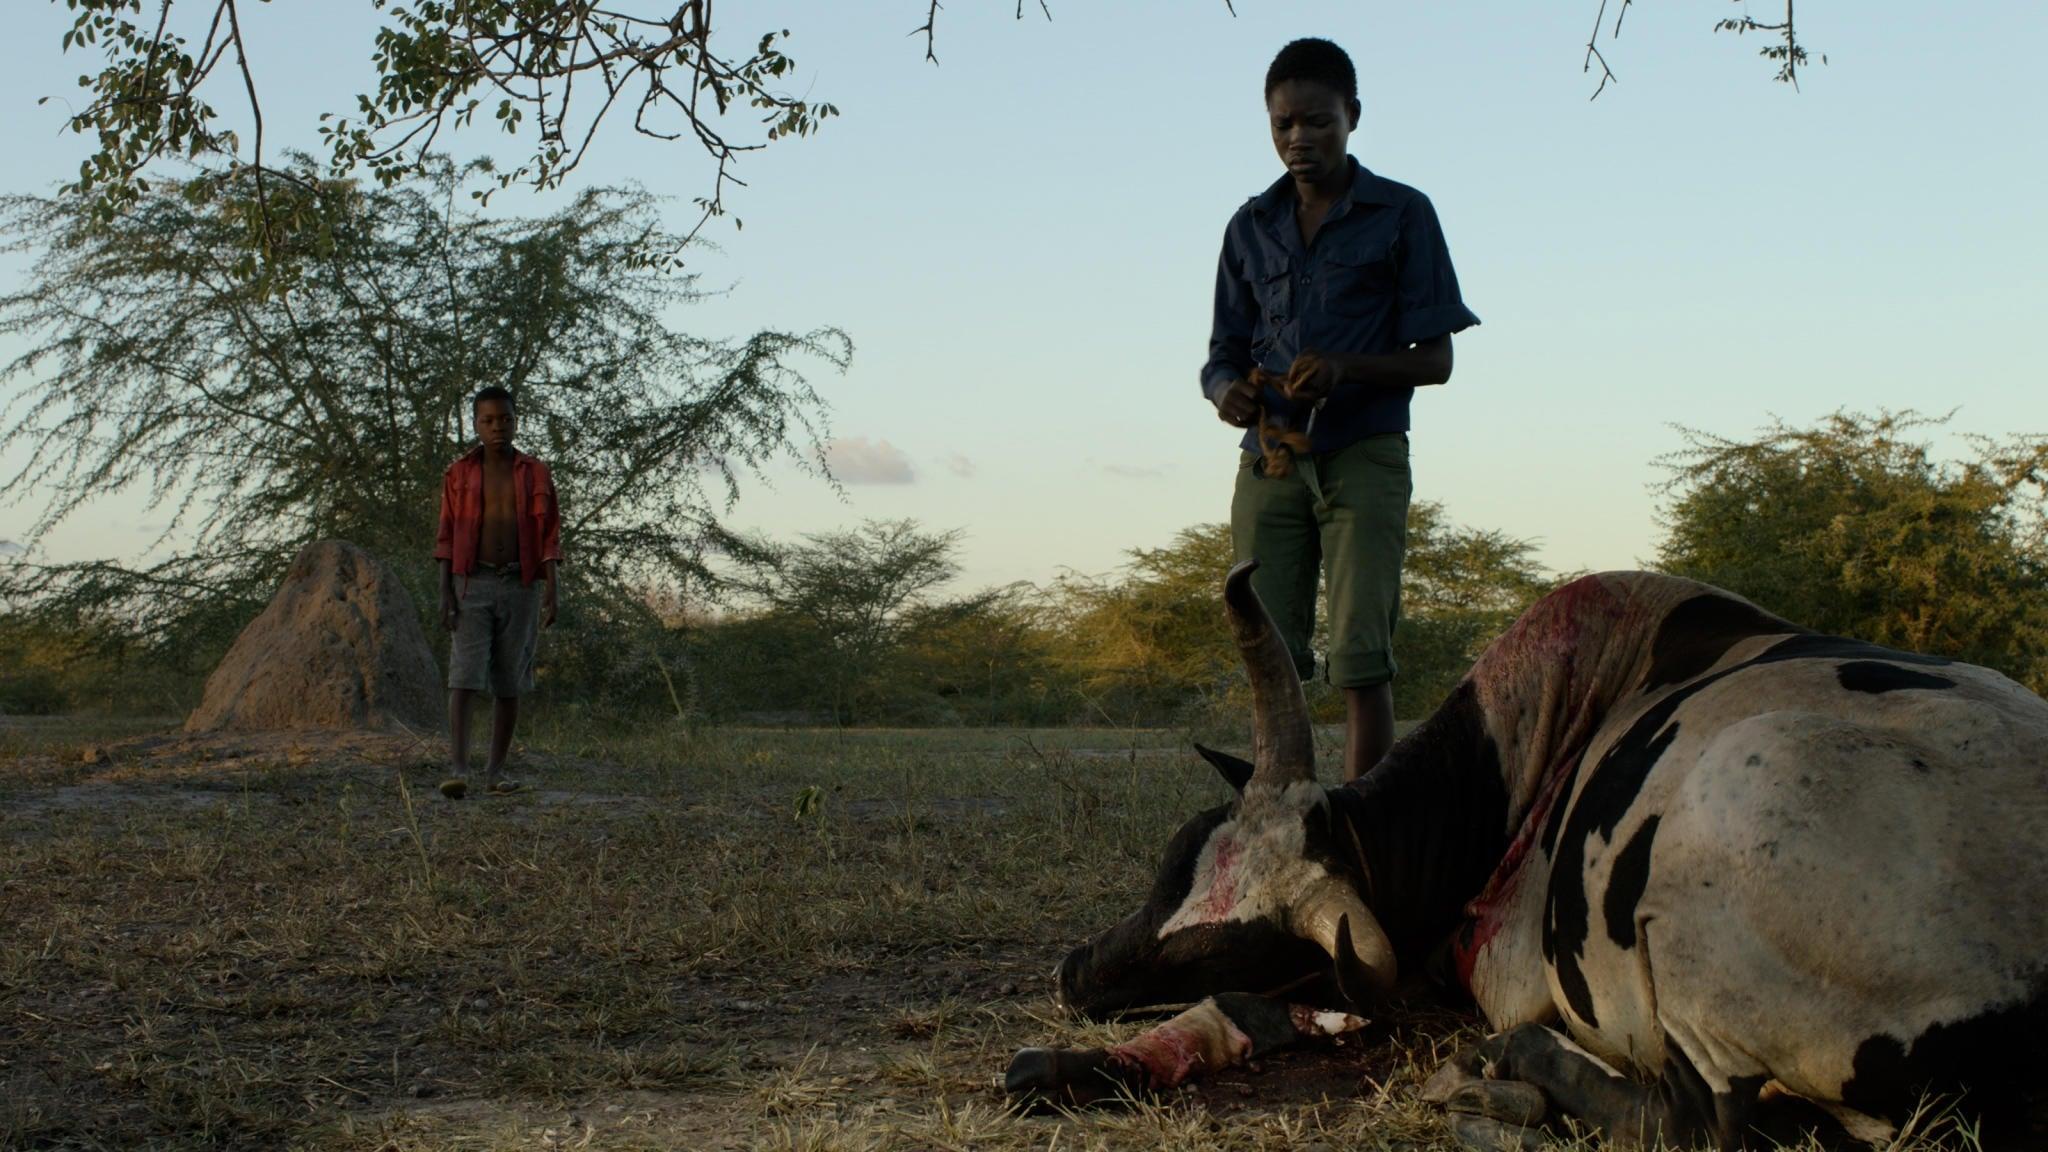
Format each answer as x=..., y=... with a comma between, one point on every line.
x=1272, y=289
x=1359, y=278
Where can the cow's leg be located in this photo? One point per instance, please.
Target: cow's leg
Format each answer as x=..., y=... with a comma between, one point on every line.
x=1677, y=1109
x=1486, y=1115
x=1220, y=1032
x=1680, y=1108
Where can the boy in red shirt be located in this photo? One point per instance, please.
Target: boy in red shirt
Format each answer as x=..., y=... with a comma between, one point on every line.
x=499, y=545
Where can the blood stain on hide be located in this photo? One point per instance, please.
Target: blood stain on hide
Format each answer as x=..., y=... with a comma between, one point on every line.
x=1876, y=677
x=1221, y=897
x=1548, y=632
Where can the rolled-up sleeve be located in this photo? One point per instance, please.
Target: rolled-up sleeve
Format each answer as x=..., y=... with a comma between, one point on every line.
x=444, y=535
x=1230, y=325
x=1430, y=305
x=550, y=518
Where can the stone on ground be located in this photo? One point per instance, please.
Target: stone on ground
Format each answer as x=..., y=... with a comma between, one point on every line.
x=339, y=646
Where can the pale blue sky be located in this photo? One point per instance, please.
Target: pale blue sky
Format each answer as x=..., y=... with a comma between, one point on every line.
x=1022, y=242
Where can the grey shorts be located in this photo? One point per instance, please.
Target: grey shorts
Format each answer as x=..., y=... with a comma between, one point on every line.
x=496, y=626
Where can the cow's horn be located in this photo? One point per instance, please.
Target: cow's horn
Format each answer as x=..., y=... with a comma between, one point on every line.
x=1332, y=915
x=1283, y=745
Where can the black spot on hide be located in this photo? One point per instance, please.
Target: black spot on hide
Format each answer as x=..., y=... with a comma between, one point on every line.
x=1700, y=631
x=1813, y=646
x=1266, y=1020
x=1177, y=870
x=1611, y=789
x=1995, y=1055
x=1555, y=823
x=1431, y=821
x=1876, y=677
x=1599, y=807
x=1626, y=883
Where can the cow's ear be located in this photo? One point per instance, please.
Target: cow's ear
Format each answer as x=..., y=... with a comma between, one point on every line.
x=1236, y=773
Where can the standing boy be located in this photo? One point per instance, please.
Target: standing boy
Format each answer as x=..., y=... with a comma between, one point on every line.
x=499, y=545
x=1335, y=300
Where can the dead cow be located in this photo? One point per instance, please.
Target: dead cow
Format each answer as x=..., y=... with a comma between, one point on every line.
x=1712, y=878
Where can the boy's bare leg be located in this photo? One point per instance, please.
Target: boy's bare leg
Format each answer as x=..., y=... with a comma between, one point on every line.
x=458, y=732
x=504, y=717
x=1368, y=727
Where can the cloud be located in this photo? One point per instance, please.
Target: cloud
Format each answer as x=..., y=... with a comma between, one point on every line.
x=10, y=548
x=1132, y=472
x=862, y=461
x=959, y=465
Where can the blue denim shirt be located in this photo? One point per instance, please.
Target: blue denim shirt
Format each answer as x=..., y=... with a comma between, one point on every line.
x=1377, y=279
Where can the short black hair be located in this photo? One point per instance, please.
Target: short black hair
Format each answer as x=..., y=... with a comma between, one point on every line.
x=492, y=392
x=1318, y=61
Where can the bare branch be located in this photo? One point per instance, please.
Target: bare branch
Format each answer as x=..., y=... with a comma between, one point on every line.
x=255, y=113
x=1593, y=51
x=1789, y=53
x=930, y=30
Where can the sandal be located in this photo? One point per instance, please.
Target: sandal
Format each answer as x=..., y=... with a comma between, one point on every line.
x=506, y=787
x=455, y=788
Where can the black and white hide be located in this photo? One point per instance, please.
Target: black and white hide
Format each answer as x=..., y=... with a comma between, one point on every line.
x=1711, y=878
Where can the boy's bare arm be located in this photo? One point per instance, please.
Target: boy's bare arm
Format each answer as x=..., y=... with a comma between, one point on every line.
x=1315, y=375
x=547, y=599
x=450, y=605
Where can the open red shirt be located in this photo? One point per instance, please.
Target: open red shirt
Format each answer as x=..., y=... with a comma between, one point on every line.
x=462, y=514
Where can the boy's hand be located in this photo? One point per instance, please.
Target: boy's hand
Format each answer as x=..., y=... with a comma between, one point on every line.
x=547, y=606
x=450, y=608
x=1239, y=405
x=1312, y=376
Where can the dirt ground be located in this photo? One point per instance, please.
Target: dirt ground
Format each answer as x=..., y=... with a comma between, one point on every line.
x=672, y=939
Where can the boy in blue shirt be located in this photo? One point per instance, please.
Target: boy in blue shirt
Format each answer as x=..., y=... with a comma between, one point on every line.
x=1335, y=300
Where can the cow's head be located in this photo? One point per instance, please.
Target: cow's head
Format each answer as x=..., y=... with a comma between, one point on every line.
x=1256, y=895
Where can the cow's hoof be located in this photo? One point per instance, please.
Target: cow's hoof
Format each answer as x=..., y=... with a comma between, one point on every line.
x=1451, y=1075
x=1511, y=1102
x=1048, y=1077
x=1482, y=1134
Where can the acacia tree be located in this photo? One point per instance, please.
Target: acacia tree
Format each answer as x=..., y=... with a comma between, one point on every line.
x=549, y=72
x=1152, y=641
x=988, y=657
x=256, y=420
x=1853, y=527
x=1460, y=588
x=857, y=594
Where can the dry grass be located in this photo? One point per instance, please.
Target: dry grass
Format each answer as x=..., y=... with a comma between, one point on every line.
x=779, y=940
